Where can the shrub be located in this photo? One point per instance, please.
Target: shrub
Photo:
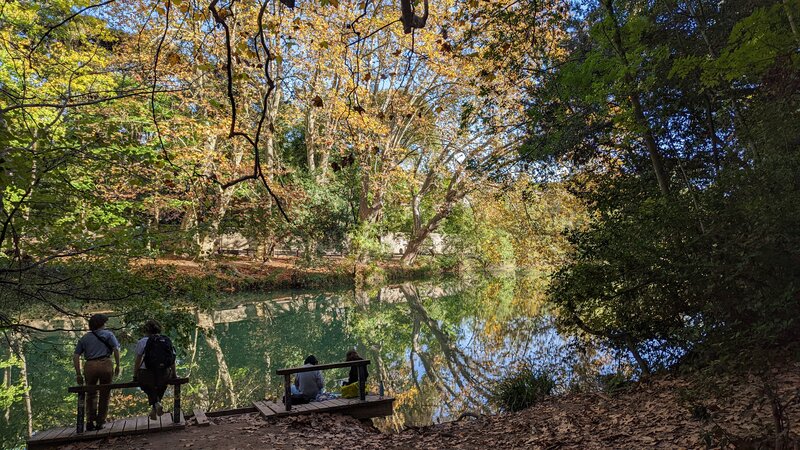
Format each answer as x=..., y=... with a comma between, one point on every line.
x=521, y=388
x=613, y=383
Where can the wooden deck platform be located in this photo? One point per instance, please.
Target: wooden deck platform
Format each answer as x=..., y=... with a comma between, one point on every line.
x=129, y=426
x=372, y=406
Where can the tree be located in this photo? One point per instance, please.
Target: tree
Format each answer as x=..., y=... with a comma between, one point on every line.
x=654, y=274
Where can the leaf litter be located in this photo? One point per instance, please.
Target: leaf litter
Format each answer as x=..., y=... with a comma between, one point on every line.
x=657, y=414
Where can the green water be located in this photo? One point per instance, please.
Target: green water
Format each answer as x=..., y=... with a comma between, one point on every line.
x=435, y=346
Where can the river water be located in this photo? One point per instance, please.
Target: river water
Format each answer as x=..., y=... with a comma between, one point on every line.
x=436, y=346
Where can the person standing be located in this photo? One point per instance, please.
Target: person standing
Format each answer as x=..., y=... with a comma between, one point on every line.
x=96, y=347
x=154, y=365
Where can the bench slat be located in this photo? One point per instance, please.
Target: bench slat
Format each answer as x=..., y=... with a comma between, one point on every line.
x=291, y=370
x=130, y=384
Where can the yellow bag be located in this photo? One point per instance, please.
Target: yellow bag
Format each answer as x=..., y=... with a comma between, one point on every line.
x=350, y=390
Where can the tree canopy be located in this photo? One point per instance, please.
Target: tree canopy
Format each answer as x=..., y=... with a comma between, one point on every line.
x=641, y=153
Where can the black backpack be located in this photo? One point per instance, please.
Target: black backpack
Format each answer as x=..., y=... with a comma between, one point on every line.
x=159, y=353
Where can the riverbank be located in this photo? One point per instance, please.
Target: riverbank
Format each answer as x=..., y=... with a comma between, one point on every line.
x=236, y=274
x=668, y=412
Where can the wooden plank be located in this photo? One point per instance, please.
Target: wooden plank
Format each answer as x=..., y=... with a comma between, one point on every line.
x=274, y=406
x=103, y=432
x=232, y=412
x=299, y=409
x=265, y=410
x=117, y=427
x=353, y=407
x=130, y=425
x=340, y=402
x=291, y=370
x=304, y=407
x=166, y=420
x=142, y=424
x=41, y=435
x=65, y=433
x=200, y=417
x=318, y=405
x=47, y=434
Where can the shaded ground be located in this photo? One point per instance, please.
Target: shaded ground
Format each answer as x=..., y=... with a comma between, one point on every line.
x=654, y=415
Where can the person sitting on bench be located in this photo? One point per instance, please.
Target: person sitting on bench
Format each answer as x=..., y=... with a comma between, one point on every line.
x=309, y=384
x=353, y=355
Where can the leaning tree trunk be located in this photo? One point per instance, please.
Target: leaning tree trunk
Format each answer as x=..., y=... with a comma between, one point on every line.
x=208, y=243
x=7, y=381
x=636, y=105
x=20, y=352
x=206, y=322
x=421, y=233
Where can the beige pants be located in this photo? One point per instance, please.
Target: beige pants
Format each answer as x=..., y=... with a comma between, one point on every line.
x=98, y=371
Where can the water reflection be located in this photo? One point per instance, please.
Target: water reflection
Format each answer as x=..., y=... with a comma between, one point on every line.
x=434, y=346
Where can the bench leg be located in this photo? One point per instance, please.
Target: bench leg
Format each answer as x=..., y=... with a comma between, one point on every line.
x=362, y=388
x=287, y=392
x=81, y=412
x=176, y=409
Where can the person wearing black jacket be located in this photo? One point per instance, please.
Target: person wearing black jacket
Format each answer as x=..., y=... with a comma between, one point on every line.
x=154, y=365
x=353, y=355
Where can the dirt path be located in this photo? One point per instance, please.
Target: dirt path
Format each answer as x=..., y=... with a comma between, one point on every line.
x=655, y=415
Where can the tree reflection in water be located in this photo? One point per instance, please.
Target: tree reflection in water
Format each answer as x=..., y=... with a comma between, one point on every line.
x=435, y=346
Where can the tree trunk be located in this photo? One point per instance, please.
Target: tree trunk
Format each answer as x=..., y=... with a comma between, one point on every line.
x=650, y=143
x=792, y=23
x=421, y=233
x=415, y=214
x=636, y=104
x=210, y=239
x=368, y=210
x=20, y=352
x=206, y=322
x=311, y=134
x=324, y=154
x=7, y=381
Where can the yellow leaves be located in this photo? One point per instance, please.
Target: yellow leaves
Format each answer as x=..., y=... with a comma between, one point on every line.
x=181, y=5
x=173, y=59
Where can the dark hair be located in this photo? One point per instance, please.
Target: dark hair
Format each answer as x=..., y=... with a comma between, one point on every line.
x=311, y=360
x=152, y=327
x=352, y=355
x=97, y=321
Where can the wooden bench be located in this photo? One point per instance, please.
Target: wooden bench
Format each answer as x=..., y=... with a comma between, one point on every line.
x=361, y=364
x=82, y=390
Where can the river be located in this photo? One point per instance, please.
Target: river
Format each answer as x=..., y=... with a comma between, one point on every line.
x=434, y=345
